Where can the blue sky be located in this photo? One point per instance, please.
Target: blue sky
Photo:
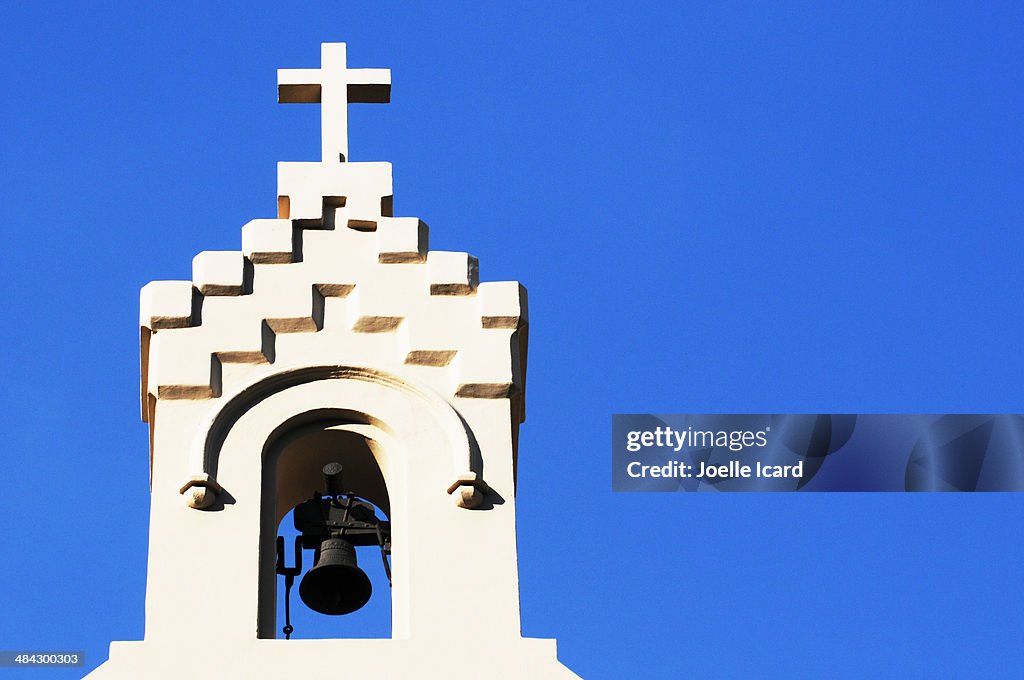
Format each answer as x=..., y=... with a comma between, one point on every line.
x=716, y=207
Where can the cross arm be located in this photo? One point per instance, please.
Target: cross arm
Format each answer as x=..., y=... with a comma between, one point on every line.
x=369, y=85
x=298, y=86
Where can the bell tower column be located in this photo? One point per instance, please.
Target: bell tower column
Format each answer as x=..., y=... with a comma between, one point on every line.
x=334, y=335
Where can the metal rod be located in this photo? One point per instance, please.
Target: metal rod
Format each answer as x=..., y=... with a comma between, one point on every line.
x=289, y=574
x=384, y=554
x=287, y=630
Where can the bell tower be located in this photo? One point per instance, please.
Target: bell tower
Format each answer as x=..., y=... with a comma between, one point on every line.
x=338, y=366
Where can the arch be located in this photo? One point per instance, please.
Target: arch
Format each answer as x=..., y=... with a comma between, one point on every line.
x=424, y=440
x=202, y=488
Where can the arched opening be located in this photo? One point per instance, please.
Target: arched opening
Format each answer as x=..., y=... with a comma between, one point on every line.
x=295, y=460
x=424, y=452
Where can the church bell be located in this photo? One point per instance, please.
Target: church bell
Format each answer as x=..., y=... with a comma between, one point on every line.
x=335, y=585
x=332, y=525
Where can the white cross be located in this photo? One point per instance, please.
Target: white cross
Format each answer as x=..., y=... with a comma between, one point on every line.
x=333, y=86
